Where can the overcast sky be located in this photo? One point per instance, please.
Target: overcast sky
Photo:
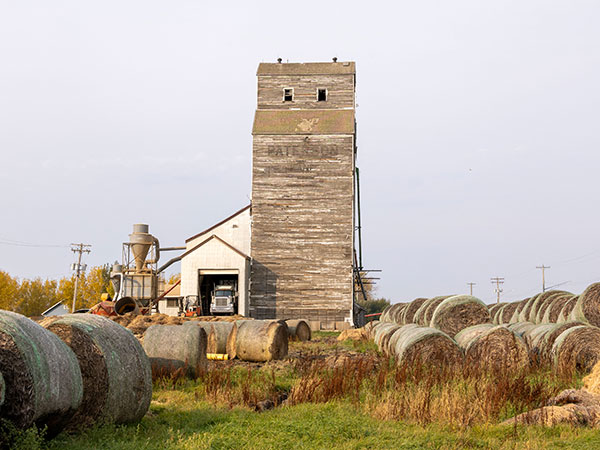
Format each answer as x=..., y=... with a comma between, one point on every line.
x=478, y=130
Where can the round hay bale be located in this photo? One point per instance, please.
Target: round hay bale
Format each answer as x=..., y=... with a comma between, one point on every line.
x=391, y=313
x=117, y=381
x=419, y=316
x=381, y=330
x=384, y=314
x=219, y=336
x=517, y=313
x=507, y=312
x=369, y=328
x=591, y=382
x=533, y=334
x=495, y=307
x=493, y=347
x=565, y=312
x=540, y=300
x=2, y=389
x=548, y=301
x=374, y=329
x=555, y=308
x=41, y=375
x=409, y=312
x=587, y=307
x=497, y=317
x=397, y=316
x=459, y=312
x=259, y=340
x=435, y=302
x=396, y=336
x=385, y=339
x=299, y=330
x=520, y=327
x=427, y=346
x=577, y=348
x=173, y=348
x=546, y=343
x=524, y=314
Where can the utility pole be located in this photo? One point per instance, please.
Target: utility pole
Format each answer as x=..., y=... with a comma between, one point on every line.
x=543, y=267
x=471, y=287
x=80, y=249
x=498, y=281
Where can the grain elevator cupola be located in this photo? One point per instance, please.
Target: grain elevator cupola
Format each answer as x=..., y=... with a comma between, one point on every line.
x=303, y=165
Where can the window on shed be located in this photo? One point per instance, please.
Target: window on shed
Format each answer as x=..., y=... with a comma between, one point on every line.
x=321, y=95
x=288, y=95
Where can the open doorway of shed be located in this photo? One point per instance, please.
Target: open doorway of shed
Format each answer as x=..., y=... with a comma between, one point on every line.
x=208, y=279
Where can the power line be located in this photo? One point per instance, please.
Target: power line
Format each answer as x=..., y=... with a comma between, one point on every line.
x=543, y=267
x=498, y=281
x=4, y=241
x=80, y=249
x=471, y=287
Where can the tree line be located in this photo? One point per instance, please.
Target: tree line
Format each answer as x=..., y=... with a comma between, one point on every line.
x=33, y=297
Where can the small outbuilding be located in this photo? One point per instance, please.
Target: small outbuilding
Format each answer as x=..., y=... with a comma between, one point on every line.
x=219, y=255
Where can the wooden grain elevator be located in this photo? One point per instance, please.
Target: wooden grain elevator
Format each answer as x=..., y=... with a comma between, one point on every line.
x=302, y=229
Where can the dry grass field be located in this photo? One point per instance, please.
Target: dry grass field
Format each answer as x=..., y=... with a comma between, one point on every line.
x=332, y=394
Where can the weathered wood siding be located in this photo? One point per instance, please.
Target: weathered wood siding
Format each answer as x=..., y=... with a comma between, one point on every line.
x=302, y=227
x=340, y=91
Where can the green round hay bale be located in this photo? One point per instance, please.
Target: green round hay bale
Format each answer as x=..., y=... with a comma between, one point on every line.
x=459, y=312
x=548, y=301
x=409, y=312
x=565, y=313
x=117, y=381
x=533, y=337
x=298, y=329
x=2, y=389
x=546, y=343
x=369, y=327
x=493, y=308
x=524, y=314
x=507, y=312
x=419, y=317
x=427, y=346
x=385, y=315
x=385, y=338
x=577, y=349
x=497, y=317
x=552, y=313
x=540, y=300
x=399, y=314
x=375, y=327
x=173, y=348
x=396, y=336
x=259, y=340
x=431, y=307
x=587, y=307
x=391, y=315
x=520, y=305
x=520, y=327
x=41, y=375
x=381, y=331
x=493, y=347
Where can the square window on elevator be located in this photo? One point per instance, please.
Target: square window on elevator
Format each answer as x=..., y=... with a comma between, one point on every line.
x=288, y=95
x=321, y=95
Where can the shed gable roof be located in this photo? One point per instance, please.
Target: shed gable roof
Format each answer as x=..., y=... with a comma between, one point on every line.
x=214, y=236
x=235, y=214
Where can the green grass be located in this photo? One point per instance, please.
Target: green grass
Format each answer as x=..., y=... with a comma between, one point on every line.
x=177, y=422
x=333, y=408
